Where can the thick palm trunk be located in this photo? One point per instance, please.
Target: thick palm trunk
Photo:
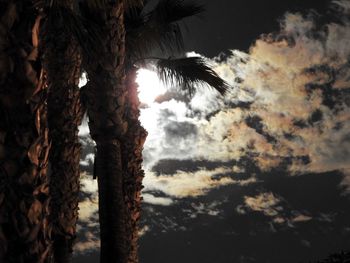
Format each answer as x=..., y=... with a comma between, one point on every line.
x=24, y=147
x=61, y=57
x=106, y=99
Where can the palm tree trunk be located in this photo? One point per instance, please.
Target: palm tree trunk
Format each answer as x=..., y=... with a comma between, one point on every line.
x=61, y=57
x=112, y=106
x=24, y=147
x=106, y=96
x=133, y=173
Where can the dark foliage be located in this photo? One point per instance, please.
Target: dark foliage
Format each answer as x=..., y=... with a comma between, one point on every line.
x=158, y=28
x=190, y=71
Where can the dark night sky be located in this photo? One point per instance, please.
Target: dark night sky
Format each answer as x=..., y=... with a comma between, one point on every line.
x=229, y=24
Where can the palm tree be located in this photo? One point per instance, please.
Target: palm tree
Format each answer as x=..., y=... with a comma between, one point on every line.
x=112, y=105
x=61, y=55
x=24, y=146
x=133, y=174
x=105, y=96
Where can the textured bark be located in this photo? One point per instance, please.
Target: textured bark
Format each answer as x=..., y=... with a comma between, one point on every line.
x=132, y=147
x=112, y=106
x=105, y=96
x=62, y=61
x=24, y=147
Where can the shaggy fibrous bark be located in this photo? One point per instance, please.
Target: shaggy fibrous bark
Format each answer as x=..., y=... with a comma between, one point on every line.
x=61, y=57
x=24, y=144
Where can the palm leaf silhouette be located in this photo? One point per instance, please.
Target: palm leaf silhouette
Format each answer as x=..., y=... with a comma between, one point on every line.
x=187, y=72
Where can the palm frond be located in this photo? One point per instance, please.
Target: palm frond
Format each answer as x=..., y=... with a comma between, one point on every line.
x=141, y=41
x=158, y=28
x=187, y=72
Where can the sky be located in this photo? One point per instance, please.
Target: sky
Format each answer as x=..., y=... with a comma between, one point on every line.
x=262, y=174
x=227, y=25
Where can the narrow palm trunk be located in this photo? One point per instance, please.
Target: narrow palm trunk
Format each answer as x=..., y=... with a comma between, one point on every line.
x=105, y=99
x=24, y=147
x=61, y=57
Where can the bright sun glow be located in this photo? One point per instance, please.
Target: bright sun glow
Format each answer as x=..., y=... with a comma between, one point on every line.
x=149, y=86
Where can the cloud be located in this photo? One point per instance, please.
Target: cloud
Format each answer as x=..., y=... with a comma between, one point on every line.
x=151, y=199
x=301, y=218
x=171, y=133
x=88, y=205
x=89, y=243
x=299, y=82
x=267, y=203
x=210, y=209
x=275, y=207
x=186, y=184
x=87, y=227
